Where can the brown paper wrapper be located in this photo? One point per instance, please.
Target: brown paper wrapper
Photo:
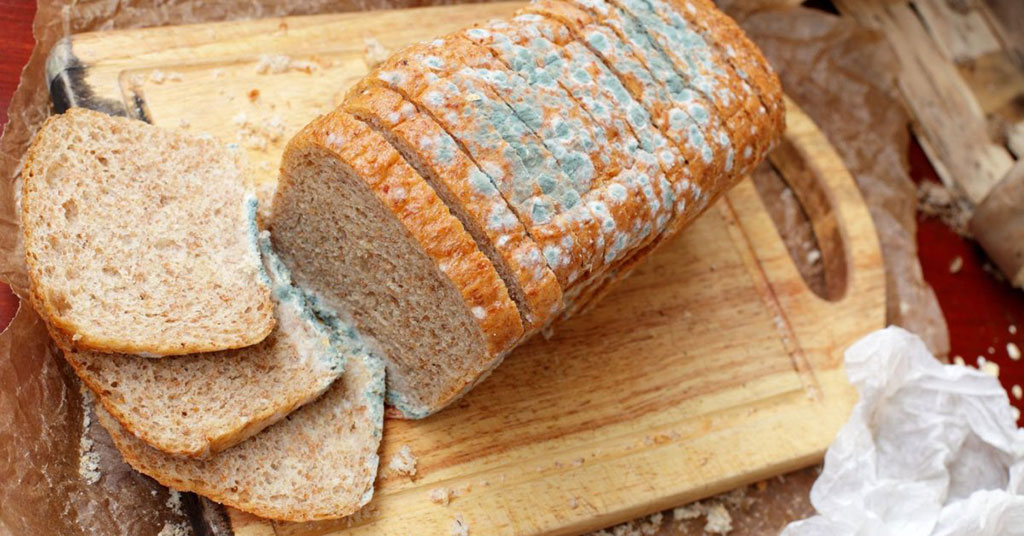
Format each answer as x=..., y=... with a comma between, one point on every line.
x=843, y=76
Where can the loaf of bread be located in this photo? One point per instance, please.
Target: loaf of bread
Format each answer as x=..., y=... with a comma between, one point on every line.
x=468, y=193
x=474, y=189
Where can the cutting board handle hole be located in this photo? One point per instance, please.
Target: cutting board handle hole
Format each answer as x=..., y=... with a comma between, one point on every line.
x=795, y=195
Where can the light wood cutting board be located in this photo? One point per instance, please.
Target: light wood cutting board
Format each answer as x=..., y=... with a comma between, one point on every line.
x=713, y=366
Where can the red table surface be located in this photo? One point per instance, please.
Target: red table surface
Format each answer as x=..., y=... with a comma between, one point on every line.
x=979, y=308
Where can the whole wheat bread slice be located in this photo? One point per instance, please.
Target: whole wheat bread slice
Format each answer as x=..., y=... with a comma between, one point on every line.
x=318, y=463
x=200, y=404
x=141, y=240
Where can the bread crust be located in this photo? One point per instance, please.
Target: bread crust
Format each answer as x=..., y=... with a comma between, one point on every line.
x=746, y=58
x=458, y=174
x=426, y=218
x=738, y=106
x=455, y=103
x=67, y=332
x=604, y=43
x=519, y=45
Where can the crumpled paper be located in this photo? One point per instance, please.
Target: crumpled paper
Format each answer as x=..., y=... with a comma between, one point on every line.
x=930, y=449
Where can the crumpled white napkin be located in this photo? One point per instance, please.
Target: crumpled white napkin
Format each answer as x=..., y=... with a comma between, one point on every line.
x=930, y=449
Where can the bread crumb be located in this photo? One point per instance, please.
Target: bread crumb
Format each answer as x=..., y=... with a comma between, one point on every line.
x=1013, y=351
x=159, y=77
x=690, y=511
x=959, y=360
x=254, y=94
x=280, y=63
x=459, y=526
x=573, y=503
x=403, y=462
x=441, y=496
x=956, y=264
x=813, y=256
x=174, y=502
x=258, y=136
x=174, y=529
x=1017, y=392
x=374, y=53
x=719, y=520
x=365, y=513
x=88, y=459
x=935, y=200
x=273, y=63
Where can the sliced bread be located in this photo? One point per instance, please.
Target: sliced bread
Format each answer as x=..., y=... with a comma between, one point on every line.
x=318, y=463
x=362, y=231
x=141, y=240
x=471, y=196
x=200, y=404
x=490, y=134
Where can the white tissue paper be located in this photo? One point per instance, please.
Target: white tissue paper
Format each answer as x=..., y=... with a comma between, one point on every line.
x=930, y=449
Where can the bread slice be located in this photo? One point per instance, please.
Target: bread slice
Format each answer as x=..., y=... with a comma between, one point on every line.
x=567, y=130
x=319, y=463
x=676, y=126
x=470, y=195
x=691, y=110
x=141, y=240
x=705, y=73
x=527, y=174
x=361, y=230
x=201, y=404
x=527, y=45
x=750, y=64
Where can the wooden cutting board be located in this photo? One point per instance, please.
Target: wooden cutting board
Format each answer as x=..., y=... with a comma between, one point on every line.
x=713, y=366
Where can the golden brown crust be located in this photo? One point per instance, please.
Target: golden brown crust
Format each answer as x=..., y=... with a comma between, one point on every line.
x=426, y=218
x=456, y=173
